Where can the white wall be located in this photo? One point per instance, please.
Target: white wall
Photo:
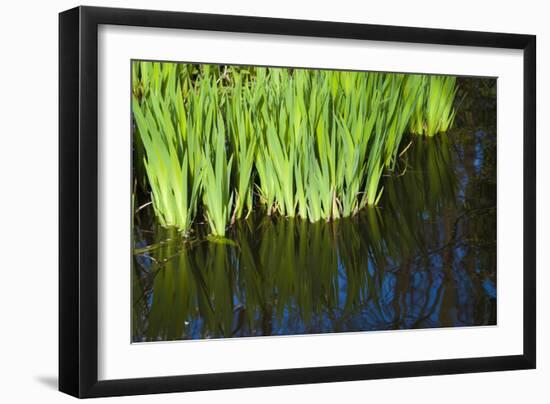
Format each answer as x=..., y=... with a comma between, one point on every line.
x=28, y=199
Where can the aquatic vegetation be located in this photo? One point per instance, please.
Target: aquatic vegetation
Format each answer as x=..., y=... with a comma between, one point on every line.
x=243, y=144
x=168, y=164
x=434, y=113
x=220, y=141
x=217, y=195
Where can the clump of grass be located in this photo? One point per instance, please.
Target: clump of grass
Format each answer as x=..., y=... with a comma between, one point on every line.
x=217, y=194
x=434, y=111
x=174, y=182
x=302, y=143
x=243, y=144
x=318, y=158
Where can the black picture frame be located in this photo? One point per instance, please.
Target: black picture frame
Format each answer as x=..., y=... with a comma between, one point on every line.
x=78, y=201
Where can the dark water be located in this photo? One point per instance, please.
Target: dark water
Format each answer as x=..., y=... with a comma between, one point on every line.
x=426, y=257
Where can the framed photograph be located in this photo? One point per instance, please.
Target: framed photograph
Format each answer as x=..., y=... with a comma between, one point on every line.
x=251, y=201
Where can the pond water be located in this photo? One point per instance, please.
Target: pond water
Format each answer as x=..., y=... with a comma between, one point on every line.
x=424, y=258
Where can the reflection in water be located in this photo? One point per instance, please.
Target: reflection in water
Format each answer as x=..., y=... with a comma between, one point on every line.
x=425, y=258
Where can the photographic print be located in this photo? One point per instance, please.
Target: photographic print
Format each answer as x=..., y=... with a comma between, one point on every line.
x=272, y=201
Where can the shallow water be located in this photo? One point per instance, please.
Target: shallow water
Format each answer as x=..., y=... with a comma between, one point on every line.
x=426, y=257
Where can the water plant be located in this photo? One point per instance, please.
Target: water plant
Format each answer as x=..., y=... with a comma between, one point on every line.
x=313, y=144
x=243, y=144
x=217, y=194
x=434, y=111
x=174, y=184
